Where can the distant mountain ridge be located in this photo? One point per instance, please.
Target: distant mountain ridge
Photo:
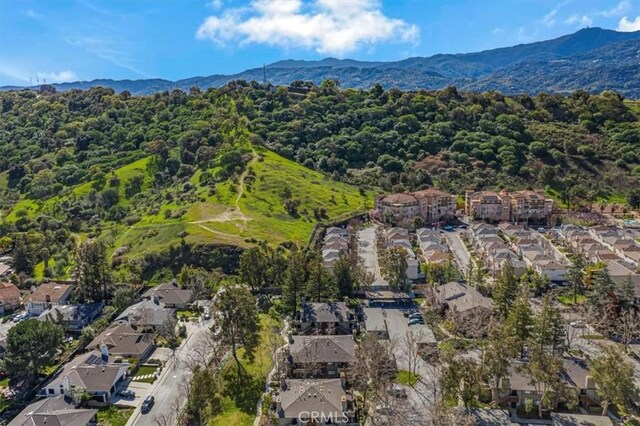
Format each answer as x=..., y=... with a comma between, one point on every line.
x=592, y=59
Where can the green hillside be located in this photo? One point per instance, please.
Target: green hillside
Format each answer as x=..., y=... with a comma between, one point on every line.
x=237, y=213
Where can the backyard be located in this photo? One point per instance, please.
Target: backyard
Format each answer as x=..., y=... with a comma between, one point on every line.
x=113, y=416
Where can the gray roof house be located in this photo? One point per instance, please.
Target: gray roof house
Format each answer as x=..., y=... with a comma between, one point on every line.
x=297, y=399
x=147, y=313
x=73, y=317
x=319, y=356
x=325, y=318
x=124, y=340
x=171, y=294
x=58, y=411
x=96, y=372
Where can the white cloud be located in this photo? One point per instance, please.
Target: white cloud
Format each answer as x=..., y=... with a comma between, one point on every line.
x=57, y=77
x=327, y=26
x=498, y=31
x=626, y=25
x=549, y=19
x=33, y=14
x=621, y=8
x=583, y=21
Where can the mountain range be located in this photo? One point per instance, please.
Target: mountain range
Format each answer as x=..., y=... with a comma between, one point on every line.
x=592, y=59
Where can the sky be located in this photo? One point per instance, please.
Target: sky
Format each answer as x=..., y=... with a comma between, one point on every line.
x=69, y=40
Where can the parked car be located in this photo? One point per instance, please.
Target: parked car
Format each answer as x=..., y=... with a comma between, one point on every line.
x=127, y=394
x=147, y=404
x=415, y=315
x=448, y=228
x=397, y=391
x=206, y=315
x=577, y=324
x=415, y=321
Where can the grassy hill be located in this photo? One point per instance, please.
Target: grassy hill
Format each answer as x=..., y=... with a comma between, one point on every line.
x=236, y=213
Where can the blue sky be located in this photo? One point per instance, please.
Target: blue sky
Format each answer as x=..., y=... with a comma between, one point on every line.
x=67, y=40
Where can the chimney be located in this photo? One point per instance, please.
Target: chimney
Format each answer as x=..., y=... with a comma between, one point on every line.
x=156, y=299
x=278, y=405
x=343, y=380
x=343, y=400
x=283, y=382
x=174, y=282
x=104, y=351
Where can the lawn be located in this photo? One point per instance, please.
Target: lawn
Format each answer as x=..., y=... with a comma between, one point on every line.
x=112, y=416
x=407, y=378
x=145, y=370
x=567, y=299
x=242, y=391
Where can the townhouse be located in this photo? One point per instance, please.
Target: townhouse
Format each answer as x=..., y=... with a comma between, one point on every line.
x=430, y=205
x=517, y=206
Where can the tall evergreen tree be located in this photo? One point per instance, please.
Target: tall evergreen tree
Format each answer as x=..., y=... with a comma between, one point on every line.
x=295, y=280
x=92, y=272
x=627, y=293
x=505, y=291
x=519, y=322
x=576, y=275
x=548, y=329
x=396, y=270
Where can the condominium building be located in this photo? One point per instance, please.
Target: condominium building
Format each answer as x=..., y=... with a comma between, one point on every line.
x=430, y=204
x=518, y=206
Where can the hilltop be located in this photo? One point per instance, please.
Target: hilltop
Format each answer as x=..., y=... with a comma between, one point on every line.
x=593, y=59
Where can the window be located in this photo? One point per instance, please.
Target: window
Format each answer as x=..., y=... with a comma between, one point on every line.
x=51, y=391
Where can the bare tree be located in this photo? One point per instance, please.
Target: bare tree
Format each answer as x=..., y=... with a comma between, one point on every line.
x=629, y=327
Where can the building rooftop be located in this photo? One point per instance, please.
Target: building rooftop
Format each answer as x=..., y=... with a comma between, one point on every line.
x=171, y=294
x=125, y=339
x=301, y=397
x=566, y=419
x=8, y=291
x=374, y=319
x=57, y=411
x=49, y=293
x=315, y=349
x=326, y=312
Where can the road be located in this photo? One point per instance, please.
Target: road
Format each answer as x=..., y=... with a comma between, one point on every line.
x=367, y=251
x=460, y=252
x=166, y=390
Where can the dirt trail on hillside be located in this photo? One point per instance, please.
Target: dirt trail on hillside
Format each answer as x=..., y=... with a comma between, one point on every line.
x=231, y=214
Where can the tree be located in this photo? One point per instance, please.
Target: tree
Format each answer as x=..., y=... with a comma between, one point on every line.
x=629, y=327
x=544, y=370
x=239, y=322
x=123, y=297
x=519, y=321
x=203, y=397
x=31, y=345
x=461, y=381
x=548, y=328
x=344, y=276
x=321, y=285
x=295, y=279
x=198, y=280
x=167, y=331
x=396, y=268
x=24, y=254
x=627, y=293
x=496, y=360
x=505, y=291
x=91, y=272
x=576, y=275
x=252, y=268
x=614, y=376
x=602, y=298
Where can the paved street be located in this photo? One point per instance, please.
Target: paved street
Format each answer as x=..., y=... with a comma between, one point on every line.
x=166, y=389
x=460, y=252
x=367, y=251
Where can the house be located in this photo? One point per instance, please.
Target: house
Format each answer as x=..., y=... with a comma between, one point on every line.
x=73, y=317
x=5, y=269
x=423, y=335
x=518, y=387
x=172, y=295
x=334, y=230
x=319, y=356
x=147, y=313
x=96, y=372
x=325, y=318
x=555, y=271
x=568, y=419
x=124, y=341
x=58, y=411
x=327, y=399
x=466, y=307
x=45, y=296
x=9, y=297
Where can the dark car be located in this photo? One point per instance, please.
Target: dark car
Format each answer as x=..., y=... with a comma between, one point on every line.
x=127, y=394
x=147, y=404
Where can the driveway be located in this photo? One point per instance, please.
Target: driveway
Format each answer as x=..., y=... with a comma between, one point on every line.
x=167, y=389
x=420, y=397
x=5, y=327
x=460, y=252
x=141, y=389
x=369, y=255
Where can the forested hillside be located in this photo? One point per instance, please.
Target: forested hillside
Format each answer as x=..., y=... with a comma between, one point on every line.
x=169, y=172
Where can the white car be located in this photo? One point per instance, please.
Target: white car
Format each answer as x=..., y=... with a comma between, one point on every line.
x=577, y=324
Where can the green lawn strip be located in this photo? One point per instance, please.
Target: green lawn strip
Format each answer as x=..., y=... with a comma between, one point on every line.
x=567, y=299
x=407, y=378
x=242, y=391
x=114, y=416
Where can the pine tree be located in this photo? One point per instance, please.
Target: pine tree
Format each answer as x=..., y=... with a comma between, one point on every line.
x=576, y=275
x=548, y=329
x=627, y=293
x=519, y=322
x=295, y=279
x=92, y=272
x=505, y=291
x=397, y=269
